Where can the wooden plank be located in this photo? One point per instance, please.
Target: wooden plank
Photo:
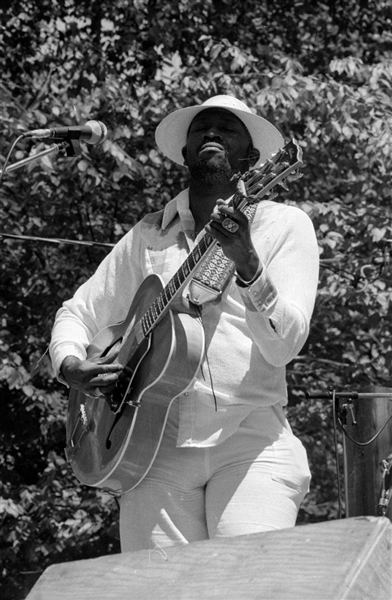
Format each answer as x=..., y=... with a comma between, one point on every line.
x=339, y=560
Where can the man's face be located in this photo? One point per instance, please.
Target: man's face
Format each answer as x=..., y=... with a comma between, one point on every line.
x=218, y=145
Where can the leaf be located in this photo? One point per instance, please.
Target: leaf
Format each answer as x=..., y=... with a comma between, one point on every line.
x=378, y=233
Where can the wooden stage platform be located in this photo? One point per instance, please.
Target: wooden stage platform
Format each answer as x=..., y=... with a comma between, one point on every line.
x=349, y=559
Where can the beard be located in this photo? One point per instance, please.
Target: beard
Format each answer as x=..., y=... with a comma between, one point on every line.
x=214, y=170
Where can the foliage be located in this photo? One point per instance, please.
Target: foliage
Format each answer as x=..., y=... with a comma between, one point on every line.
x=322, y=71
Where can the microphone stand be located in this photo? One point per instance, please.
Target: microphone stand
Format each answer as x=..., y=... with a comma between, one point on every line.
x=59, y=241
x=71, y=147
x=53, y=149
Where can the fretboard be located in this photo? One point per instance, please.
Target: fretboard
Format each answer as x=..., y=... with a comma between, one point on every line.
x=162, y=303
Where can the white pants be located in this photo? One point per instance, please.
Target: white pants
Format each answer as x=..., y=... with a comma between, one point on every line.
x=254, y=481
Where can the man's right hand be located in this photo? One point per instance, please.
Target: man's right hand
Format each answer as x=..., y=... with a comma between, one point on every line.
x=91, y=378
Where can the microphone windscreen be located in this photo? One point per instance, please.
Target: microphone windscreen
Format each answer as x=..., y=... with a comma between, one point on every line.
x=99, y=132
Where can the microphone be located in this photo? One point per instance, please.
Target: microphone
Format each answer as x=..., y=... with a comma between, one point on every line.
x=94, y=132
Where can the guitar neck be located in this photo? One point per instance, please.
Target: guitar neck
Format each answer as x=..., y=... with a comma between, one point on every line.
x=176, y=284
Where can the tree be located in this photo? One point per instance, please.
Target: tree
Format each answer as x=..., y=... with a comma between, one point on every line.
x=321, y=72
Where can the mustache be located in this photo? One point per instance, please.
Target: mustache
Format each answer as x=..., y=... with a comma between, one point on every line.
x=213, y=144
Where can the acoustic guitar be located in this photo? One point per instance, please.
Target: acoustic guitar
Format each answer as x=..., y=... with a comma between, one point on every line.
x=113, y=440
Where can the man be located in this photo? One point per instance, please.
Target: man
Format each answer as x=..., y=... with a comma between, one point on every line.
x=228, y=463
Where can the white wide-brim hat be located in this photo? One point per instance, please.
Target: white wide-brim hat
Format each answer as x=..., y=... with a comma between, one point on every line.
x=171, y=133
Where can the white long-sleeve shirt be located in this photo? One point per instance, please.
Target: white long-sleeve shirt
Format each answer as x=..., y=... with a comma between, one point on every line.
x=251, y=334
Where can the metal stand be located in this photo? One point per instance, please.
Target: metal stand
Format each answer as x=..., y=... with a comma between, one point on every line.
x=53, y=149
x=71, y=147
x=365, y=420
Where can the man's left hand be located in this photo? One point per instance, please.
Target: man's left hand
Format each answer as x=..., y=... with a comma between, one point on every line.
x=230, y=227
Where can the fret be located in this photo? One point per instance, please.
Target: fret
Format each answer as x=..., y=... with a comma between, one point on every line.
x=172, y=288
x=143, y=325
x=160, y=303
x=148, y=318
x=195, y=255
x=165, y=295
x=182, y=274
x=154, y=311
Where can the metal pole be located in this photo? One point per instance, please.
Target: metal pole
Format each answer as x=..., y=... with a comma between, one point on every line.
x=53, y=149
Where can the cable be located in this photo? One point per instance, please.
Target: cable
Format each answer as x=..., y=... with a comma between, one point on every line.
x=200, y=316
x=362, y=444
x=335, y=432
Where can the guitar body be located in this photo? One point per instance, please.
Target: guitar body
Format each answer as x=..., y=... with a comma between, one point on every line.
x=115, y=450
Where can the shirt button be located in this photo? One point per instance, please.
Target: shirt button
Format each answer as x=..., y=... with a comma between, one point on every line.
x=186, y=394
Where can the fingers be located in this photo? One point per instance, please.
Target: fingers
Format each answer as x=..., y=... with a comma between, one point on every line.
x=92, y=377
x=230, y=227
x=102, y=384
x=101, y=370
x=228, y=224
x=102, y=379
x=228, y=218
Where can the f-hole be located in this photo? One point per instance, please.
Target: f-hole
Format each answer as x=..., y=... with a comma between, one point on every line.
x=108, y=441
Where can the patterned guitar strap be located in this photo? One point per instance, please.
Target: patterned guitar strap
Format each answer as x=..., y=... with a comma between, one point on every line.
x=215, y=272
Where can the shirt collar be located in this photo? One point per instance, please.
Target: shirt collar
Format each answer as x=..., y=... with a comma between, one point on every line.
x=179, y=206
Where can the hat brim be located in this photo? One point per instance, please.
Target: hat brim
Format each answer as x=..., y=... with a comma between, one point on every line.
x=171, y=133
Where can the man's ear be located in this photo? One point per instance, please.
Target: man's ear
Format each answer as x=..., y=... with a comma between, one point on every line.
x=254, y=156
x=183, y=152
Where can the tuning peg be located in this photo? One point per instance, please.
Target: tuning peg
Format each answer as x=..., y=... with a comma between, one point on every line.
x=241, y=187
x=296, y=175
x=237, y=176
x=284, y=185
x=271, y=195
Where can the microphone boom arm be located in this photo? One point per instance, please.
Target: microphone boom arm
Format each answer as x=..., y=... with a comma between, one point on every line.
x=53, y=149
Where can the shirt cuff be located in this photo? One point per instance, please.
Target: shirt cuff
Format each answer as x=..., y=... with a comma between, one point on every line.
x=242, y=283
x=59, y=353
x=260, y=294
